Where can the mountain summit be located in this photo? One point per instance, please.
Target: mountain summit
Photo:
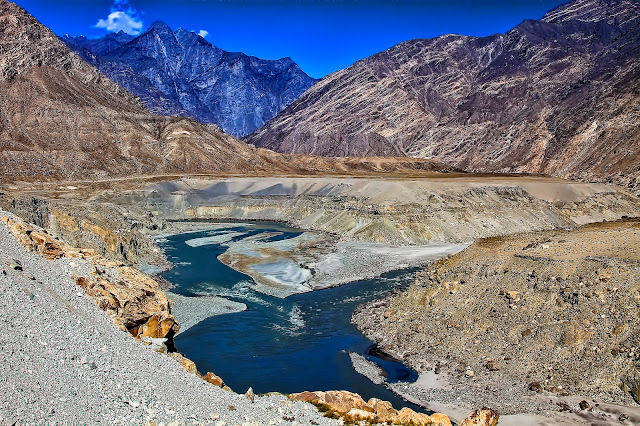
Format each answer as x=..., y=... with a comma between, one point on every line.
x=180, y=73
x=100, y=46
x=60, y=118
x=557, y=96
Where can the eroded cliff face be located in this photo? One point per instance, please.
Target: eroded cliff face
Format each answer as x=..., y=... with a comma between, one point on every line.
x=133, y=300
x=557, y=96
x=108, y=230
x=399, y=211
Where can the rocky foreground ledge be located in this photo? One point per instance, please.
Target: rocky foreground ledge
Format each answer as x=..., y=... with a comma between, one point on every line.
x=64, y=361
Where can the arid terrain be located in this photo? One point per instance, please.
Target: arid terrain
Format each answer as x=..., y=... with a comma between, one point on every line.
x=557, y=95
x=518, y=152
x=512, y=318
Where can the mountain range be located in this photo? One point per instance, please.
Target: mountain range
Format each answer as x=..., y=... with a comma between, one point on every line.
x=556, y=96
x=62, y=119
x=179, y=73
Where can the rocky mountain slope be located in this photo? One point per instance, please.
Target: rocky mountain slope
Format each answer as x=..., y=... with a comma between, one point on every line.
x=550, y=313
x=60, y=118
x=100, y=46
x=180, y=73
x=557, y=96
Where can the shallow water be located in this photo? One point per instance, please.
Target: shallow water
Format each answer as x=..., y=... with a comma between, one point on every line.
x=277, y=345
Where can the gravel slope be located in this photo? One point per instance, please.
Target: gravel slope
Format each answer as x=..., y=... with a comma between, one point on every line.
x=62, y=361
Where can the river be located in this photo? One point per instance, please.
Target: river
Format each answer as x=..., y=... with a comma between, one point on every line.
x=277, y=345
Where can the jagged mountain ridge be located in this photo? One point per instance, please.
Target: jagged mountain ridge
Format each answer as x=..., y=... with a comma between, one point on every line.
x=180, y=73
x=60, y=118
x=100, y=46
x=556, y=96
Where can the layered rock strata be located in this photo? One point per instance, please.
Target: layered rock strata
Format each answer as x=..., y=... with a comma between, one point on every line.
x=393, y=211
x=134, y=301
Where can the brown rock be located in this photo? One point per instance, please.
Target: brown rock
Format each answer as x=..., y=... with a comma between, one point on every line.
x=158, y=325
x=352, y=405
x=383, y=409
x=483, y=417
x=214, y=379
x=440, y=419
x=584, y=405
x=185, y=362
x=535, y=386
x=407, y=416
x=493, y=365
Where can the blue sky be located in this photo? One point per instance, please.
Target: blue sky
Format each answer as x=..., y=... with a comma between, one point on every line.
x=322, y=36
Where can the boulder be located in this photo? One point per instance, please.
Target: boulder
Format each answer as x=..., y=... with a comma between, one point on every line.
x=157, y=326
x=353, y=407
x=185, y=363
x=216, y=380
x=483, y=417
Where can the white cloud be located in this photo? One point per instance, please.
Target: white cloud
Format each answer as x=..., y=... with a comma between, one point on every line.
x=122, y=18
x=203, y=33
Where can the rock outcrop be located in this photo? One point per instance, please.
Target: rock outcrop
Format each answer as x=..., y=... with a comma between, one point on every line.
x=557, y=96
x=351, y=407
x=483, y=417
x=180, y=73
x=133, y=300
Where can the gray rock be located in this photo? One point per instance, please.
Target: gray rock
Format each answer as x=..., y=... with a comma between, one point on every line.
x=180, y=73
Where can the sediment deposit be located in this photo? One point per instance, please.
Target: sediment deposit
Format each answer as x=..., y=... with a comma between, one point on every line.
x=439, y=208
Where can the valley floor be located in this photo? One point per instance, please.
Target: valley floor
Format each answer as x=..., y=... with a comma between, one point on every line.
x=548, y=309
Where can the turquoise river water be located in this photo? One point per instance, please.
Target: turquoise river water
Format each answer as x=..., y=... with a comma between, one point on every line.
x=278, y=345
